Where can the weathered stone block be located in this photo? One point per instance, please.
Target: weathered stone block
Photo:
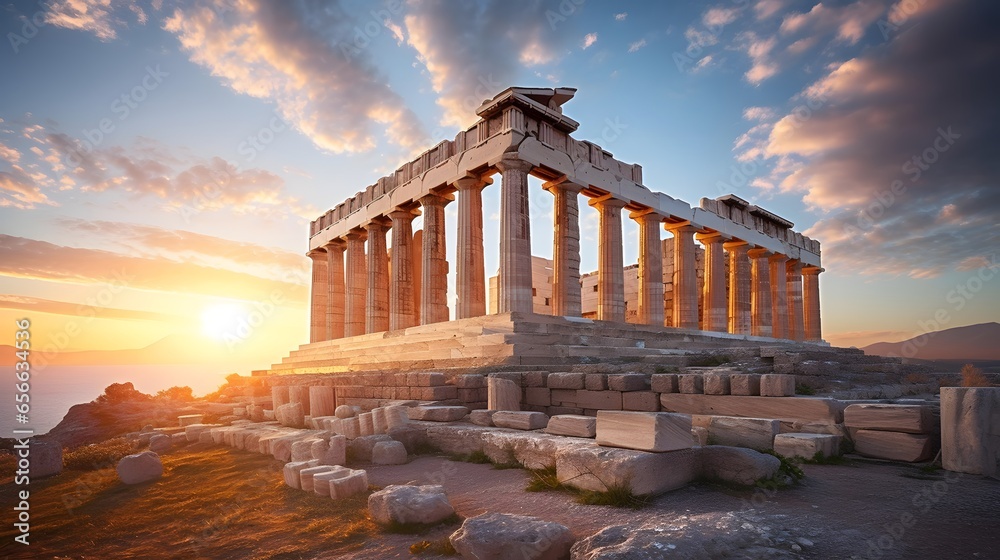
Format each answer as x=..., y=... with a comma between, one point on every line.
x=389, y=453
x=306, y=476
x=716, y=384
x=139, y=468
x=894, y=446
x=291, y=473
x=537, y=396
x=535, y=378
x=470, y=381
x=777, y=385
x=335, y=452
x=690, y=383
x=46, y=457
x=437, y=413
x=643, y=401
x=572, y=425
x=747, y=384
x=344, y=411
x=425, y=379
x=557, y=410
x=646, y=431
x=664, y=383
x=788, y=409
x=566, y=380
x=456, y=438
x=699, y=435
x=321, y=481
x=410, y=504
x=291, y=415
x=563, y=396
x=737, y=465
x=602, y=468
x=379, y=424
x=412, y=436
x=599, y=400
x=753, y=433
x=595, y=382
x=351, y=427
x=354, y=483
x=482, y=417
x=628, y=382
x=367, y=424
x=911, y=419
x=502, y=536
x=806, y=446
x=520, y=420
x=189, y=419
x=532, y=450
x=437, y=393
x=503, y=394
x=970, y=430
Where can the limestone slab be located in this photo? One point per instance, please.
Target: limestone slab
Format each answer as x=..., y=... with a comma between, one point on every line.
x=664, y=382
x=646, y=431
x=690, y=383
x=566, y=380
x=599, y=469
x=970, y=430
x=737, y=465
x=643, y=401
x=595, y=382
x=321, y=481
x=628, y=382
x=790, y=409
x=366, y=424
x=354, y=483
x=911, y=419
x=379, y=424
x=139, y=468
x=894, y=446
x=189, y=419
x=537, y=396
x=291, y=472
x=361, y=449
x=572, y=425
x=351, y=427
x=753, y=433
x=396, y=416
x=777, y=385
x=482, y=417
x=531, y=450
x=716, y=384
x=519, y=420
x=389, y=453
x=410, y=504
x=746, y=384
x=335, y=452
x=599, y=400
x=806, y=446
x=503, y=394
x=437, y=413
x=502, y=536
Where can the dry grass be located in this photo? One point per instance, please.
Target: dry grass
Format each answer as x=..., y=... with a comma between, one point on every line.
x=209, y=504
x=973, y=377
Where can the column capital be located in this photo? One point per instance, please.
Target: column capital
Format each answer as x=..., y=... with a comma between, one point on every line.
x=357, y=234
x=511, y=162
x=380, y=223
x=563, y=183
x=316, y=254
x=336, y=244
x=646, y=215
x=759, y=252
x=607, y=201
x=436, y=199
x=810, y=269
x=711, y=237
x=680, y=227
x=778, y=258
x=735, y=243
x=794, y=263
x=400, y=213
x=472, y=182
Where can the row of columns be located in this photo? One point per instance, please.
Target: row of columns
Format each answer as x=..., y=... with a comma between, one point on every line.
x=769, y=295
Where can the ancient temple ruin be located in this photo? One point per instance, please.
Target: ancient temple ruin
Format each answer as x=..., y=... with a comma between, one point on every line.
x=753, y=279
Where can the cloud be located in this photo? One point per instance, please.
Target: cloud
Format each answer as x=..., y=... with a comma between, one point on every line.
x=759, y=51
x=39, y=305
x=621, y=16
x=758, y=114
x=636, y=45
x=718, y=17
x=307, y=59
x=39, y=260
x=848, y=22
x=19, y=190
x=8, y=154
x=764, y=9
x=472, y=50
x=897, y=148
x=100, y=17
x=589, y=40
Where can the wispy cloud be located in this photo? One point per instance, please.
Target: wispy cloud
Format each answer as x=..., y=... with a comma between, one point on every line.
x=589, y=40
x=635, y=46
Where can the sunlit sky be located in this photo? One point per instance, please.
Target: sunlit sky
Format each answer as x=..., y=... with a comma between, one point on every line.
x=160, y=161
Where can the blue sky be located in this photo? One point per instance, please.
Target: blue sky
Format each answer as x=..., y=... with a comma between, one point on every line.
x=820, y=104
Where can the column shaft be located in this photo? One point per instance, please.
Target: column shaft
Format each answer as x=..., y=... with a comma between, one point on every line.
x=739, y=287
x=650, y=270
x=515, y=237
x=470, y=281
x=319, y=296
x=377, y=302
x=794, y=279
x=810, y=303
x=779, y=296
x=356, y=277
x=610, y=264
x=685, y=278
x=401, y=299
x=335, y=280
x=566, y=249
x=760, y=294
x=434, y=281
x=714, y=316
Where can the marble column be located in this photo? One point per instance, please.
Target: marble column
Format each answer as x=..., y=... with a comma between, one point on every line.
x=356, y=276
x=434, y=271
x=650, y=311
x=335, y=281
x=812, y=329
x=779, y=296
x=739, y=287
x=714, y=316
x=565, y=248
x=377, y=299
x=401, y=298
x=794, y=278
x=685, y=277
x=610, y=263
x=319, y=296
x=760, y=293
x=515, y=237
x=470, y=279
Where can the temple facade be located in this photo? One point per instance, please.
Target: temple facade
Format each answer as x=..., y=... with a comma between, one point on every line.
x=751, y=276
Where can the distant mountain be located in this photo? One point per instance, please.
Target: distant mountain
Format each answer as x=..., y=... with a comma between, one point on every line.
x=972, y=342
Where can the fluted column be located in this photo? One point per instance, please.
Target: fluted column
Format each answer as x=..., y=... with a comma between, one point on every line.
x=810, y=303
x=319, y=296
x=470, y=280
x=434, y=281
x=714, y=300
x=685, y=277
x=356, y=277
x=335, y=281
x=794, y=288
x=779, y=296
x=739, y=287
x=377, y=302
x=650, y=310
x=401, y=298
x=760, y=293
x=515, y=237
x=565, y=248
x=610, y=264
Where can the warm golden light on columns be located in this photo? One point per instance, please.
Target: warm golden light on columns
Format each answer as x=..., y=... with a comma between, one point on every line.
x=565, y=248
x=319, y=296
x=714, y=316
x=515, y=237
x=356, y=276
x=335, y=281
x=685, y=277
x=377, y=300
x=760, y=292
x=401, y=298
x=739, y=287
x=794, y=289
x=470, y=278
x=610, y=263
x=779, y=296
x=650, y=311
x=434, y=281
x=810, y=303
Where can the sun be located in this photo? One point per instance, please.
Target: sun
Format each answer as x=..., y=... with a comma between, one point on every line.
x=222, y=320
